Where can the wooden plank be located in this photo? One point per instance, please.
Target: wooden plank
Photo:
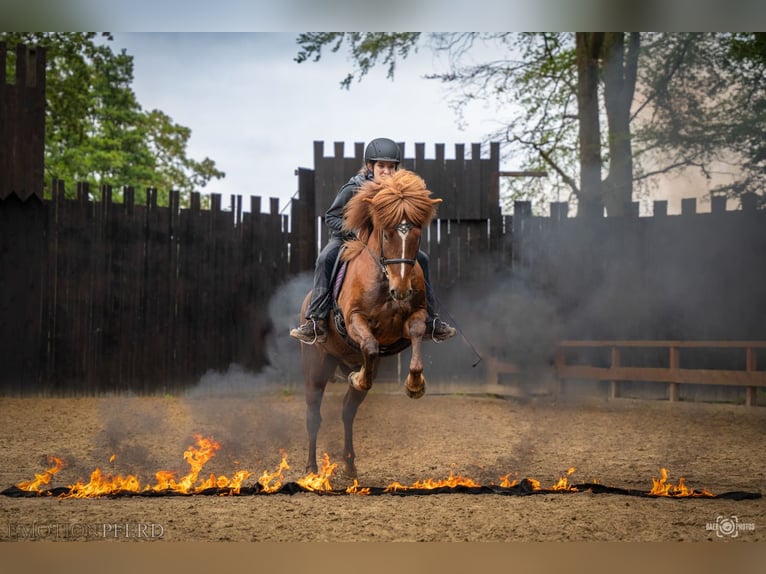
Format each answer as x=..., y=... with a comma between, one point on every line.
x=649, y=343
x=495, y=367
x=658, y=374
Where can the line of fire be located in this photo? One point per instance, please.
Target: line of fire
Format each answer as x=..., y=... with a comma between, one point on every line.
x=102, y=484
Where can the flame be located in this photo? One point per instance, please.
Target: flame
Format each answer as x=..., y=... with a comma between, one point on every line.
x=277, y=477
x=355, y=489
x=44, y=477
x=395, y=487
x=662, y=488
x=103, y=484
x=319, y=481
x=197, y=455
x=535, y=483
x=563, y=484
x=506, y=482
x=451, y=481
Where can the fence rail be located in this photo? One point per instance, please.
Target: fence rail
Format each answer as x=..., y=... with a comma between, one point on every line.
x=673, y=374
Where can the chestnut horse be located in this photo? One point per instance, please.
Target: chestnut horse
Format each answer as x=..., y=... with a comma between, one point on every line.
x=381, y=301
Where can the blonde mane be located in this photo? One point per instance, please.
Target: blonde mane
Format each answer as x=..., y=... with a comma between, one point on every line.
x=385, y=203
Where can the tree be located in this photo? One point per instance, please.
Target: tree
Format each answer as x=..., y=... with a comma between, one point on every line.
x=670, y=102
x=551, y=77
x=708, y=106
x=96, y=130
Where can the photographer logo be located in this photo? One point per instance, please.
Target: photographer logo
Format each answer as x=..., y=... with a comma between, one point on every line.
x=729, y=526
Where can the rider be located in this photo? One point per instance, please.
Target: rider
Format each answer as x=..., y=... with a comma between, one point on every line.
x=381, y=158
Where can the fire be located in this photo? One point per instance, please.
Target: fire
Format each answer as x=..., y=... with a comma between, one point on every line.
x=563, y=484
x=662, y=488
x=395, y=487
x=103, y=483
x=197, y=455
x=451, y=482
x=355, y=489
x=276, y=477
x=319, y=481
x=44, y=477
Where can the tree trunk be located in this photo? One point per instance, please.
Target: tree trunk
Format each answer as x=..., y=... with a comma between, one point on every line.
x=619, y=87
x=588, y=49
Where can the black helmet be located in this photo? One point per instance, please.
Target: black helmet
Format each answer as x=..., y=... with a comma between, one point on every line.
x=382, y=149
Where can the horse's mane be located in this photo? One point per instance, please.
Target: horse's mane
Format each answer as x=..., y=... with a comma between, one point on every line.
x=385, y=203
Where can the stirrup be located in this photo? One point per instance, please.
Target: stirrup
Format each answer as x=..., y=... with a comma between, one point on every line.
x=450, y=331
x=298, y=332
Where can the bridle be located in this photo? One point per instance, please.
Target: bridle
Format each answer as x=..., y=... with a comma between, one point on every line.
x=403, y=229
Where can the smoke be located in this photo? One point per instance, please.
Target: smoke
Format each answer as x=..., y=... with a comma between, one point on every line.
x=283, y=352
x=251, y=431
x=507, y=319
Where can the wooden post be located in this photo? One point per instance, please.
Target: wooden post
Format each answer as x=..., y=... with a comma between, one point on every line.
x=750, y=366
x=614, y=388
x=558, y=361
x=674, y=365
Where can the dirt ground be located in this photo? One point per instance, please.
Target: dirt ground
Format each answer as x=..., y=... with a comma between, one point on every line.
x=622, y=443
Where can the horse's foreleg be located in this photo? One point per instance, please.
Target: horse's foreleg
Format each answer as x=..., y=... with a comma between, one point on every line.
x=361, y=380
x=415, y=385
x=351, y=402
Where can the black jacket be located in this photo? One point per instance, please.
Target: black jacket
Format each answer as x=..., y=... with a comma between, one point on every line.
x=334, y=216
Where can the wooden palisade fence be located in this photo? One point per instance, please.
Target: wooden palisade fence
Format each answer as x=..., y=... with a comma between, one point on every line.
x=102, y=296
x=99, y=295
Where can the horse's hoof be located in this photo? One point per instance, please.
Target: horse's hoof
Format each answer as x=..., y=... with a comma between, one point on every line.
x=353, y=380
x=412, y=391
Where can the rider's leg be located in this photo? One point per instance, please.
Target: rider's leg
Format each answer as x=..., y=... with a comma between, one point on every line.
x=314, y=329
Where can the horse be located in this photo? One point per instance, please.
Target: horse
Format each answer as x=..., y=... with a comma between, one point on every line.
x=380, y=309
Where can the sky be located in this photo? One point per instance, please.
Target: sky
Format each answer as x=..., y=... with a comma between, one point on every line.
x=226, y=70
x=256, y=112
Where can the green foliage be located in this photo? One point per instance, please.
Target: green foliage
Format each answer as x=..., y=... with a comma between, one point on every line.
x=366, y=49
x=96, y=130
x=700, y=101
x=707, y=94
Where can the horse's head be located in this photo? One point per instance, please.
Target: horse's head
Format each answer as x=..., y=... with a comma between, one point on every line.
x=389, y=216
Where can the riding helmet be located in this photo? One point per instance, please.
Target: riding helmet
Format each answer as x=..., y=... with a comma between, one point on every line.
x=382, y=149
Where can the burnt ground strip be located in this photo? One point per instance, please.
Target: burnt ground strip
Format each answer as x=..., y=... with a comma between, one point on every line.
x=523, y=488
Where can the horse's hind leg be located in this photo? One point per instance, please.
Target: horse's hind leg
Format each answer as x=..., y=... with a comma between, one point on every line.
x=351, y=402
x=317, y=370
x=314, y=394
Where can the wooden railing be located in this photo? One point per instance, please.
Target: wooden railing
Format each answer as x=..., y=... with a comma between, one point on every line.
x=674, y=374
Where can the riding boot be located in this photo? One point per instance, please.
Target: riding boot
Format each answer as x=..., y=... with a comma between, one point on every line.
x=314, y=329
x=439, y=330
x=310, y=332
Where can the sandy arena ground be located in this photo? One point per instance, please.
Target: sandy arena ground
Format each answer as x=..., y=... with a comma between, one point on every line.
x=623, y=443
